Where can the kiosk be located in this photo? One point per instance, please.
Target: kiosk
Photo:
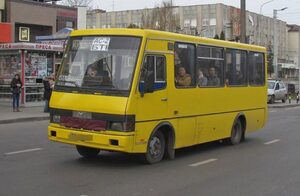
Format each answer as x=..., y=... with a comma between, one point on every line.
x=33, y=61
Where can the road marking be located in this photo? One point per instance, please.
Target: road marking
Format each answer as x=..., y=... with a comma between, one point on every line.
x=271, y=142
x=202, y=162
x=271, y=111
x=22, y=151
x=292, y=108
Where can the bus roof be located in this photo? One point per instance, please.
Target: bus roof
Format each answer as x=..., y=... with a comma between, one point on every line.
x=155, y=34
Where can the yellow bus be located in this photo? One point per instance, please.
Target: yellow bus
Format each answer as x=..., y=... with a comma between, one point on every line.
x=150, y=92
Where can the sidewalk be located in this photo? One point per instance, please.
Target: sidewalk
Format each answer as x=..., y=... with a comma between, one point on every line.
x=27, y=114
x=279, y=104
x=36, y=113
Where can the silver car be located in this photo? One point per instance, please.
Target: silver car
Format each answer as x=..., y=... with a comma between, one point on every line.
x=276, y=91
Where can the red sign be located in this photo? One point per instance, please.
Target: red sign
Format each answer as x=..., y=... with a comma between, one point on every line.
x=6, y=33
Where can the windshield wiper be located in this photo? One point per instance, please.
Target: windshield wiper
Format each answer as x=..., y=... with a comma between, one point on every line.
x=70, y=82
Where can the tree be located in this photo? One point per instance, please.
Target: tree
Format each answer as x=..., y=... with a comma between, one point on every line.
x=162, y=17
x=216, y=36
x=133, y=26
x=76, y=3
x=222, y=35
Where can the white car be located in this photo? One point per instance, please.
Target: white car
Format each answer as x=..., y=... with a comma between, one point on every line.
x=276, y=91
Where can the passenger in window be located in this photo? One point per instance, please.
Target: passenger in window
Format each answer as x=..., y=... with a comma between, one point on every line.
x=183, y=79
x=91, y=72
x=201, y=79
x=105, y=79
x=239, y=77
x=212, y=79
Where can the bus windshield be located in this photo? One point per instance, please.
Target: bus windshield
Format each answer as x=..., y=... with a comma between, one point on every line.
x=102, y=64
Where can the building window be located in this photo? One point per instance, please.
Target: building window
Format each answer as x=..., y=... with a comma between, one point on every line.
x=69, y=24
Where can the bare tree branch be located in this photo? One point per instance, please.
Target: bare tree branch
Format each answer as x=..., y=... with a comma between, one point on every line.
x=76, y=3
x=162, y=17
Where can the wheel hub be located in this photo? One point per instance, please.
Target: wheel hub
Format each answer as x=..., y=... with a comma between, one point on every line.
x=155, y=147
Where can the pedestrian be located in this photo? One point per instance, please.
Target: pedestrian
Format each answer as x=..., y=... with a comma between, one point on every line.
x=290, y=97
x=48, y=86
x=16, y=86
x=297, y=97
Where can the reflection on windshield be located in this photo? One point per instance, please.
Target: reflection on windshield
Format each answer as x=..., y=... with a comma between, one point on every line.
x=271, y=85
x=99, y=63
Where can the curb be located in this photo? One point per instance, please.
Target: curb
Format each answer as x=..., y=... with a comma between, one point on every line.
x=284, y=106
x=26, y=119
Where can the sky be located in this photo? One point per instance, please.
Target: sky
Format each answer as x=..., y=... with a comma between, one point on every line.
x=290, y=15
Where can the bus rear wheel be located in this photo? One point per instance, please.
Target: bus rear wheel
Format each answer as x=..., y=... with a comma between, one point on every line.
x=236, y=133
x=155, y=149
x=87, y=152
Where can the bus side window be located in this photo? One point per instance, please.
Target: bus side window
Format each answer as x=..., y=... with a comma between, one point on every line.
x=184, y=64
x=157, y=65
x=236, y=67
x=256, y=69
x=210, y=66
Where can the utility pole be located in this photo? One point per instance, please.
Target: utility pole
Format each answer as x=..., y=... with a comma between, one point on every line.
x=243, y=21
x=275, y=44
x=299, y=59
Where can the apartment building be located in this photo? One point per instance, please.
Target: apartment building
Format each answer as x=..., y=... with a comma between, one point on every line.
x=205, y=20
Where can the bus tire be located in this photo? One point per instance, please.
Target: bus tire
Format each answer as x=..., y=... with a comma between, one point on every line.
x=87, y=152
x=155, y=148
x=236, y=135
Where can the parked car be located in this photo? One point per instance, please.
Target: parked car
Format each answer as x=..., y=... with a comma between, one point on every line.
x=276, y=91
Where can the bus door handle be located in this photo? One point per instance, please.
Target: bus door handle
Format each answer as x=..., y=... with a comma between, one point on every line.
x=164, y=99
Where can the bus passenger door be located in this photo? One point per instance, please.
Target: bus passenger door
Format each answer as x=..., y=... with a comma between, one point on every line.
x=153, y=99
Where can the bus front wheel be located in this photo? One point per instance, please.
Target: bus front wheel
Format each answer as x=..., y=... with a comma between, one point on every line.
x=155, y=148
x=87, y=152
x=236, y=133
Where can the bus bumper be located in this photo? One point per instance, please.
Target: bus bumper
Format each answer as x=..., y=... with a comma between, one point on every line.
x=103, y=141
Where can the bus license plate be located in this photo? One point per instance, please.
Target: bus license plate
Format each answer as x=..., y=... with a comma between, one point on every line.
x=80, y=137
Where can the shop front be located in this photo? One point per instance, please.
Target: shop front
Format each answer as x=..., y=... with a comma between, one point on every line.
x=33, y=62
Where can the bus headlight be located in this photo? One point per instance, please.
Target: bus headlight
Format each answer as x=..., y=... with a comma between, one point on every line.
x=126, y=126
x=117, y=126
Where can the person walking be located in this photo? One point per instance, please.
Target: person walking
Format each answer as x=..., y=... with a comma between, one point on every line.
x=48, y=86
x=16, y=86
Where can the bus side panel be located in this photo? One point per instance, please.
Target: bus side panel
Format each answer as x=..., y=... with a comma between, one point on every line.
x=255, y=120
x=185, y=132
x=214, y=127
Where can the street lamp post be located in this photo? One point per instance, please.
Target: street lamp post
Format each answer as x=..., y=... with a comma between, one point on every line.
x=275, y=43
x=260, y=22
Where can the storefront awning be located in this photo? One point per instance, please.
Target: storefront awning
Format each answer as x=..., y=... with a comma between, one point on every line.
x=62, y=34
x=31, y=46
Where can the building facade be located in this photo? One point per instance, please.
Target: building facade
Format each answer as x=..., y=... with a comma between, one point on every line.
x=205, y=20
x=36, y=18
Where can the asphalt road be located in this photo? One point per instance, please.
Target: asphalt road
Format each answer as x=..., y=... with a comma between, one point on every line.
x=267, y=163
